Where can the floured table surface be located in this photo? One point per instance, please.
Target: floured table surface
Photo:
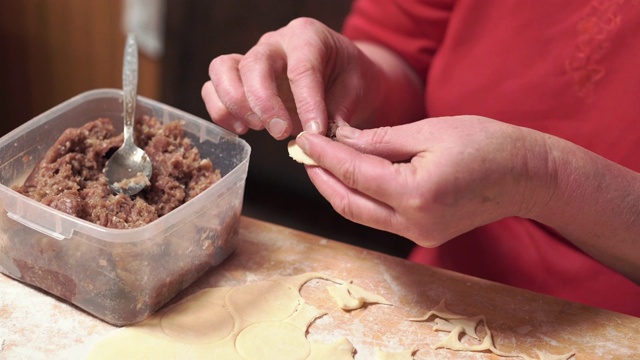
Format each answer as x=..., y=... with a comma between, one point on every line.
x=35, y=325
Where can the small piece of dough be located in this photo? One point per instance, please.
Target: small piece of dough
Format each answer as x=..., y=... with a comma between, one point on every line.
x=296, y=153
x=352, y=297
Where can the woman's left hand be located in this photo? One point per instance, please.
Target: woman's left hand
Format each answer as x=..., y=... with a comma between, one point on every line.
x=433, y=179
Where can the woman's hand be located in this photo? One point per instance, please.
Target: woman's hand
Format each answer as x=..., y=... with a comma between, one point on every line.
x=434, y=179
x=438, y=178
x=304, y=76
x=294, y=78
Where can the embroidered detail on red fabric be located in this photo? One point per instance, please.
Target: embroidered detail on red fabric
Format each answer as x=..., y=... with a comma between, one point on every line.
x=595, y=31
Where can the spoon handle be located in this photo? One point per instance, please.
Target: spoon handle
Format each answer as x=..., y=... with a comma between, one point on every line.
x=129, y=85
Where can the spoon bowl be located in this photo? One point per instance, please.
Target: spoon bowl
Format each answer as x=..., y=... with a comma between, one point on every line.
x=129, y=169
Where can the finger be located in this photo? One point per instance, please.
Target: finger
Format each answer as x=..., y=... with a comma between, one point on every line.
x=260, y=70
x=398, y=143
x=218, y=112
x=307, y=62
x=351, y=204
x=374, y=176
x=229, y=90
x=307, y=88
x=342, y=97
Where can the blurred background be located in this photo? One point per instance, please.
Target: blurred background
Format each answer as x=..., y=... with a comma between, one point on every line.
x=54, y=50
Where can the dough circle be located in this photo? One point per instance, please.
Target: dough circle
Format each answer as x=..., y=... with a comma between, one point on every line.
x=197, y=322
x=273, y=340
x=263, y=301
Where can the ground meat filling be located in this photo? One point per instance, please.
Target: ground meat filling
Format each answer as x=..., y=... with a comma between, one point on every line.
x=69, y=177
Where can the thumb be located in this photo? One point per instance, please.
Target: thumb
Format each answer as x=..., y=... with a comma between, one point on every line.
x=397, y=143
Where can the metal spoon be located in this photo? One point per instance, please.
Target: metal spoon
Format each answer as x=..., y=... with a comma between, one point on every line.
x=129, y=169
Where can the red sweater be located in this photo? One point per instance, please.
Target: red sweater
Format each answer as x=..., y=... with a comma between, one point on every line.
x=569, y=68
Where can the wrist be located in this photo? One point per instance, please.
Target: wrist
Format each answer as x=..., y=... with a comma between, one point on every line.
x=539, y=169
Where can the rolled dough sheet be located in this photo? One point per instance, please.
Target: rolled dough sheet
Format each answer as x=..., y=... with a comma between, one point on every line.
x=269, y=318
x=261, y=320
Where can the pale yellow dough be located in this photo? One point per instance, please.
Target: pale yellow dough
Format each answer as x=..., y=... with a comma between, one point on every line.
x=266, y=319
x=260, y=320
x=351, y=297
x=459, y=327
x=296, y=153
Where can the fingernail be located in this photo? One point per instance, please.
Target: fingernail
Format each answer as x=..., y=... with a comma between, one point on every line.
x=348, y=132
x=277, y=127
x=301, y=140
x=313, y=126
x=254, y=122
x=238, y=127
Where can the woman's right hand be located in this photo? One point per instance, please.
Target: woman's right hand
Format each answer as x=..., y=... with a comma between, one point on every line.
x=293, y=79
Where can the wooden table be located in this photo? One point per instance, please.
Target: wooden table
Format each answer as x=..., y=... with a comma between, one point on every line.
x=34, y=325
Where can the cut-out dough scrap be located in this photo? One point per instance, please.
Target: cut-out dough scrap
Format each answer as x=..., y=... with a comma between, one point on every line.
x=469, y=325
x=460, y=327
x=351, y=297
x=347, y=295
x=296, y=153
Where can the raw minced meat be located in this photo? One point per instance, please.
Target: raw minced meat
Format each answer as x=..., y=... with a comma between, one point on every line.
x=69, y=177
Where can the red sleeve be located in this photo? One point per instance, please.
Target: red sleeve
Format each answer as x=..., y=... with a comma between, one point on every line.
x=412, y=28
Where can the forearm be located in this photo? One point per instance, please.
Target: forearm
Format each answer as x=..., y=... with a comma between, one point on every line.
x=395, y=95
x=594, y=203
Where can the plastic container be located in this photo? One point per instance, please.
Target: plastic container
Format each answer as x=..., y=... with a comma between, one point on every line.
x=120, y=276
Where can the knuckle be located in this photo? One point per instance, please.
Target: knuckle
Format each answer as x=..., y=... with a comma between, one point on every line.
x=256, y=56
x=223, y=61
x=348, y=173
x=261, y=57
x=215, y=64
x=344, y=206
x=220, y=114
x=299, y=71
x=303, y=24
x=267, y=37
x=231, y=100
x=262, y=54
x=378, y=136
x=217, y=110
x=207, y=91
